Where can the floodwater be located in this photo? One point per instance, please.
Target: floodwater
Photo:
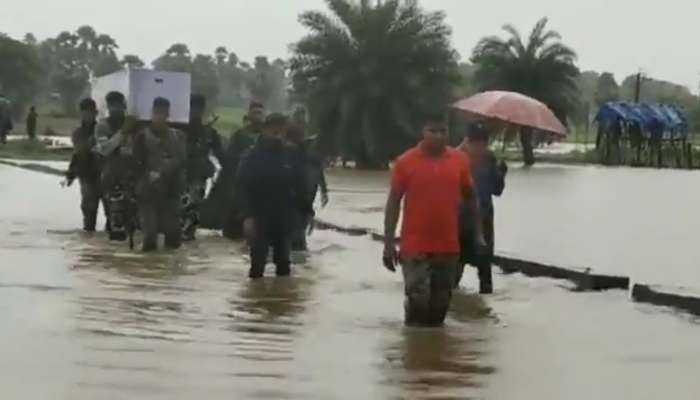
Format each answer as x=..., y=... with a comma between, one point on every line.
x=84, y=319
x=641, y=223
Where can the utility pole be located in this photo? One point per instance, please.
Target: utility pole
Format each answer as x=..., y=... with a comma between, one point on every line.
x=638, y=88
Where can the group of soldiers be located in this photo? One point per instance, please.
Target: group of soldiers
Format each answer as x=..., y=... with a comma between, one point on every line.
x=152, y=176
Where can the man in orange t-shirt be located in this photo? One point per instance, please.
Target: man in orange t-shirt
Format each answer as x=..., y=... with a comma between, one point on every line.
x=432, y=180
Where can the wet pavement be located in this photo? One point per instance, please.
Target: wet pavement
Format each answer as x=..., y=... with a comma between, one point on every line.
x=84, y=319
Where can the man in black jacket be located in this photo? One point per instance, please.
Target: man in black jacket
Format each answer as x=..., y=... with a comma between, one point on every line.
x=315, y=179
x=271, y=187
x=489, y=179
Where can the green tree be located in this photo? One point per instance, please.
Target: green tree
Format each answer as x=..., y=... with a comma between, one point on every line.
x=177, y=58
x=205, y=79
x=369, y=72
x=69, y=68
x=541, y=67
x=20, y=72
x=132, y=61
x=267, y=82
x=468, y=86
x=607, y=89
x=30, y=39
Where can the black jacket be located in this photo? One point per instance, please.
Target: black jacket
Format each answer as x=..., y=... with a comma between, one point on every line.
x=271, y=184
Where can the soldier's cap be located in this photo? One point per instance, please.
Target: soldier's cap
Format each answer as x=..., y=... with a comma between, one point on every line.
x=276, y=120
x=161, y=102
x=115, y=98
x=88, y=104
x=198, y=101
x=478, y=131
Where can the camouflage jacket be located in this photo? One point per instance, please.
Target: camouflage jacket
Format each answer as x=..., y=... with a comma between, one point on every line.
x=84, y=163
x=202, y=141
x=116, y=149
x=163, y=154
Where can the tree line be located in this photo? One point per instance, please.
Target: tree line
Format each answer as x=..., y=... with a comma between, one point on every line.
x=63, y=66
x=366, y=72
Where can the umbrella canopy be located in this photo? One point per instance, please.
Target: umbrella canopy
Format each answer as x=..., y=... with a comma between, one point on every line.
x=513, y=108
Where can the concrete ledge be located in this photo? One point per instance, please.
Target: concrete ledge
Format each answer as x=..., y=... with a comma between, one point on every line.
x=328, y=226
x=583, y=278
x=664, y=297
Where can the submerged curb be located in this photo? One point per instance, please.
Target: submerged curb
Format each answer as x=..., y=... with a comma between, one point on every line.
x=583, y=278
x=34, y=167
x=660, y=297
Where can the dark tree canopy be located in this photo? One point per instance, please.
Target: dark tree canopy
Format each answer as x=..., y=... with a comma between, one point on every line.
x=20, y=71
x=541, y=67
x=607, y=89
x=132, y=61
x=369, y=70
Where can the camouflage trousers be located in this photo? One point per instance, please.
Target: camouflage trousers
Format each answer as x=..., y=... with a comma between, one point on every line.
x=161, y=215
x=90, y=197
x=429, y=281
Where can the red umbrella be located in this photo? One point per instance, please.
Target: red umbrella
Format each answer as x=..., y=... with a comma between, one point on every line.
x=513, y=108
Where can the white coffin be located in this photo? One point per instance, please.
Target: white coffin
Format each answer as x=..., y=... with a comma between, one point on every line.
x=141, y=87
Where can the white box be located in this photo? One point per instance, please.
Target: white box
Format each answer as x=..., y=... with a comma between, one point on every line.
x=141, y=87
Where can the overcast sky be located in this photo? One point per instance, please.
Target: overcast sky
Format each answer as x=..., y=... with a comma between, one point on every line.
x=621, y=36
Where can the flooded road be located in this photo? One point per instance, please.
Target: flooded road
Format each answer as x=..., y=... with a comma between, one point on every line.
x=642, y=223
x=83, y=319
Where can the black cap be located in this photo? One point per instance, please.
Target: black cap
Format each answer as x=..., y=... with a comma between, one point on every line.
x=478, y=131
x=87, y=104
x=276, y=120
x=161, y=102
x=115, y=98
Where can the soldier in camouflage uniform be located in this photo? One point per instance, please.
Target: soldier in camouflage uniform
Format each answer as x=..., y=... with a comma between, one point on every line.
x=161, y=156
x=115, y=144
x=85, y=165
x=202, y=142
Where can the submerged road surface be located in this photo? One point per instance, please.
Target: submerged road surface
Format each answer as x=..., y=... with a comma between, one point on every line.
x=640, y=223
x=85, y=319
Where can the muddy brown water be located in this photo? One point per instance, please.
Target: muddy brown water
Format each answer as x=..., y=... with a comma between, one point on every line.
x=642, y=223
x=84, y=319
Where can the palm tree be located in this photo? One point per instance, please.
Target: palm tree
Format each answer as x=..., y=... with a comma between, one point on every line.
x=221, y=54
x=87, y=37
x=132, y=61
x=541, y=67
x=178, y=50
x=369, y=72
x=106, y=45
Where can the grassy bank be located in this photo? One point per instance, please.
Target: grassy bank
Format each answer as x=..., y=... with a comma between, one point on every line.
x=53, y=124
x=33, y=150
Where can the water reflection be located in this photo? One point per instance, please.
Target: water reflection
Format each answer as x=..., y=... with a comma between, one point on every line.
x=436, y=363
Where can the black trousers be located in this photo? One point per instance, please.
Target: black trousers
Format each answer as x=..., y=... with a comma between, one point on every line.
x=269, y=235
x=482, y=261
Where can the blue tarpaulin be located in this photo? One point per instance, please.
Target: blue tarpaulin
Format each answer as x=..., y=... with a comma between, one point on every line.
x=651, y=117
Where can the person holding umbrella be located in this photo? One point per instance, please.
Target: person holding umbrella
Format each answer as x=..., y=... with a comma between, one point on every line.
x=488, y=176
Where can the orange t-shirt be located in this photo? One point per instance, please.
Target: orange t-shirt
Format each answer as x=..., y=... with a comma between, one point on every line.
x=432, y=191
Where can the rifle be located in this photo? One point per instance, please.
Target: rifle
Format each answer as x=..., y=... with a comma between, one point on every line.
x=122, y=215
